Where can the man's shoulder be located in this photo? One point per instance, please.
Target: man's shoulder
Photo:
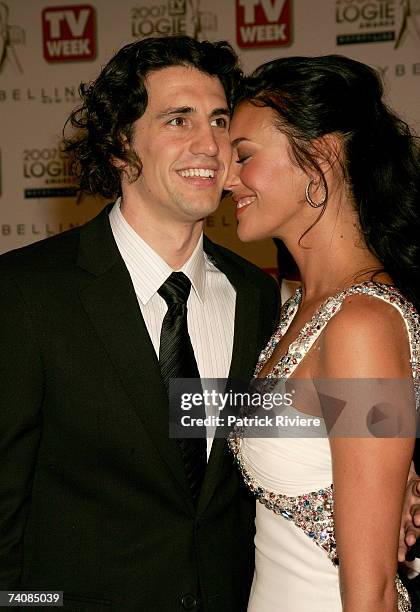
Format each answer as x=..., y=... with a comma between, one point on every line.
x=251, y=280
x=221, y=254
x=59, y=250
x=52, y=249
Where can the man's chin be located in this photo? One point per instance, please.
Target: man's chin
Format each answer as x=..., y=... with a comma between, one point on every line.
x=201, y=211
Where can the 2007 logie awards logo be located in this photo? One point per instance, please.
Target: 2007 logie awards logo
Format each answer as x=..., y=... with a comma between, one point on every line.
x=11, y=36
x=374, y=21
x=173, y=17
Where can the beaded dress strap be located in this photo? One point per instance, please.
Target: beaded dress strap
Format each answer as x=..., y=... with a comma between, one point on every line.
x=391, y=295
x=314, y=327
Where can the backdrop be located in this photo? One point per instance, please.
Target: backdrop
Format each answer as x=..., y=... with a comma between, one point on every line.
x=47, y=48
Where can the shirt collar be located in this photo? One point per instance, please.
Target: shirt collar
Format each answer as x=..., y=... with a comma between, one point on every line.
x=147, y=269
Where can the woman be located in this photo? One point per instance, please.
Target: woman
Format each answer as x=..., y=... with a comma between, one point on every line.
x=321, y=163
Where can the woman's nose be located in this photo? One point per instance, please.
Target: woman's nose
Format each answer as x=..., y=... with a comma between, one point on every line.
x=232, y=179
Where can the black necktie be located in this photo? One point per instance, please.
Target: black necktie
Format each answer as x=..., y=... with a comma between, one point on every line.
x=177, y=360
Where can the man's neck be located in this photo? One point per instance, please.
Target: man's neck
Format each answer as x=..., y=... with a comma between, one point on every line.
x=174, y=242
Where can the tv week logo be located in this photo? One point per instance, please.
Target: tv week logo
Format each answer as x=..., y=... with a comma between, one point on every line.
x=263, y=23
x=69, y=33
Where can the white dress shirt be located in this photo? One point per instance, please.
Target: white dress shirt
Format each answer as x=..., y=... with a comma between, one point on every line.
x=211, y=303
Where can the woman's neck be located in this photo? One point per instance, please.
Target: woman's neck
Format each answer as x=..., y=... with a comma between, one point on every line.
x=333, y=254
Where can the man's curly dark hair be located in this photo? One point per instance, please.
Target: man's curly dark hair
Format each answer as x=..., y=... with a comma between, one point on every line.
x=118, y=97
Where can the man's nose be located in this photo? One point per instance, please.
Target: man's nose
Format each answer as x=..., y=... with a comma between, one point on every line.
x=205, y=142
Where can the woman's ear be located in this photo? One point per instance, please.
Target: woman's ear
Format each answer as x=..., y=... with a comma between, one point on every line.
x=328, y=150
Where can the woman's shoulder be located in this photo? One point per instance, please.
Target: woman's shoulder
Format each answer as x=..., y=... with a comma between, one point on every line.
x=362, y=309
x=368, y=336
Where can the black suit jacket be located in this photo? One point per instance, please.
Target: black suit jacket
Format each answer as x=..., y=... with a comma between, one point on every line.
x=93, y=496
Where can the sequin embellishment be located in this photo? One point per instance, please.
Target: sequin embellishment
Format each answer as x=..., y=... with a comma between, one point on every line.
x=307, y=336
x=312, y=512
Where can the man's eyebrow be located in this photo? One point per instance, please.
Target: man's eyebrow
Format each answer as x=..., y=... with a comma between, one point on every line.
x=220, y=111
x=185, y=110
x=176, y=110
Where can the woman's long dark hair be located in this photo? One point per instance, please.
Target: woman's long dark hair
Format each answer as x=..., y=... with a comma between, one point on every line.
x=316, y=96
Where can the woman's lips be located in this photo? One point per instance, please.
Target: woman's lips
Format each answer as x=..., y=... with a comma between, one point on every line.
x=243, y=203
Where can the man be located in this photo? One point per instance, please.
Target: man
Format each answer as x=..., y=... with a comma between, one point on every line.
x=96, y=499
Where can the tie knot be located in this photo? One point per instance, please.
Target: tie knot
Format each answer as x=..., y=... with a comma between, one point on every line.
x=176, y=289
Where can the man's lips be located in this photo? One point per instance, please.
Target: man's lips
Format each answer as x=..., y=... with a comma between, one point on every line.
x=202, y=176
x=201, y=172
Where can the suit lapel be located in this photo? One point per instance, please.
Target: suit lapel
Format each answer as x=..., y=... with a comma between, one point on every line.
x=111, y=304
x=247, y=312
x=245, y=345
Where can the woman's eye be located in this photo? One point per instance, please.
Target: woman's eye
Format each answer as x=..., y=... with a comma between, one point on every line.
x=242, y=158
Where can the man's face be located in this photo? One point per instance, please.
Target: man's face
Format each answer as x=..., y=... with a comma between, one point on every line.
x=183, y=143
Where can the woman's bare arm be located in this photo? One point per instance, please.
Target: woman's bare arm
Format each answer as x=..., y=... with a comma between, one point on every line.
x=367, y=342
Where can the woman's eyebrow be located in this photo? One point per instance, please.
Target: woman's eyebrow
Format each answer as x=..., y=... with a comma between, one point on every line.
x=236, y=141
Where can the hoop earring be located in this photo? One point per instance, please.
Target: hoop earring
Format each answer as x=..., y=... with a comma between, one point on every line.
x=310, y=200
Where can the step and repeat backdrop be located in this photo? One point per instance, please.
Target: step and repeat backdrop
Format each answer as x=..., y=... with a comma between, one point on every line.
x=47, y=48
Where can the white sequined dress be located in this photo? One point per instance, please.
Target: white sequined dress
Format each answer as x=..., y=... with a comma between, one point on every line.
x=296, y=566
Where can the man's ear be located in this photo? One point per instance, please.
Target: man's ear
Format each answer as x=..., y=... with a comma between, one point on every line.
x=130, y=167
x=123, y=167
x=124, y=146
x=118, y=163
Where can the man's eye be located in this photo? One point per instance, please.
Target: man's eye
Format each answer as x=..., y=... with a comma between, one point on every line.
x=178, y=121
x=221, y=122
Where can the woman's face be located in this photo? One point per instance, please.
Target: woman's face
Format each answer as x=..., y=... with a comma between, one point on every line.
x=268, y=189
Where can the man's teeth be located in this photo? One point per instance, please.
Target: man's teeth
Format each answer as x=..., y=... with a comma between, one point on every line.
x=245, y=201
x=203, y=172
